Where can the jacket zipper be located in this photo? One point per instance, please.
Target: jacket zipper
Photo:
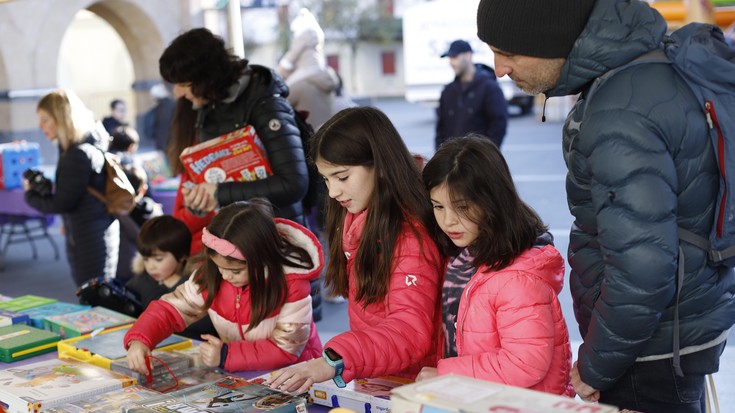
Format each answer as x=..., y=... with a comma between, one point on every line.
x=460, y=323
x=711, y=115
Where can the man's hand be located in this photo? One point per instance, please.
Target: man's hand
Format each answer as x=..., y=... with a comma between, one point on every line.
x=210, y=350
x=427, y=373
x=301, y=376
x=137, y=355
x=584, y=391
x=200, y=197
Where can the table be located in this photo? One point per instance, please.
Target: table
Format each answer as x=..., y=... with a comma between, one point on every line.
x=21, y=223
x=313, y=408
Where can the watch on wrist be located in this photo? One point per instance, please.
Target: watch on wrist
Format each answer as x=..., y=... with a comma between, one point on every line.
x=335, y=360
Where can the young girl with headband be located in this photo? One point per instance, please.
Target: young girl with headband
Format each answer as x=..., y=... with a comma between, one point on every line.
x=255, y=286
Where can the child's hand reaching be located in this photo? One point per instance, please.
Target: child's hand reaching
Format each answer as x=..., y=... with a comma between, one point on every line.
x=301, y=376
x=137, y=354
x=427, y=373
x=210, y=350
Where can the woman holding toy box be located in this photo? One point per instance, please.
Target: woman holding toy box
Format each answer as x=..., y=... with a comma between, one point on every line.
x=218, y=93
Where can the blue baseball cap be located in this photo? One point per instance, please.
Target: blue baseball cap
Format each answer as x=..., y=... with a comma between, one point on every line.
x=457, y=47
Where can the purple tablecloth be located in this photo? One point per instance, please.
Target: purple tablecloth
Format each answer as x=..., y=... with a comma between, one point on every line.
x=12, y=202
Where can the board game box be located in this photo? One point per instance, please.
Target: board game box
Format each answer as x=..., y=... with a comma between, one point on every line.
x=45, y=384
x=235, y=156
x=108, y=402
x=24, y=302
x=229, y=394
x=460, y=394
x=86, y=321
x=38, y=314
x=21, y=341
x=12, y=317
x=360, y=395
x=106, y=347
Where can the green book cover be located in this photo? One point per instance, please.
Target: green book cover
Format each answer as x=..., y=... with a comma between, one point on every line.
x=86, y=321
x=21, y=341
x=24, y=302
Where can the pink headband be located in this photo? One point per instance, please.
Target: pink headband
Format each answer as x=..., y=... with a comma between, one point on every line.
x=221, y=246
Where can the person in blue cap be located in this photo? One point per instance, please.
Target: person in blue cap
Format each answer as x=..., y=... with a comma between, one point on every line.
x=472, y=102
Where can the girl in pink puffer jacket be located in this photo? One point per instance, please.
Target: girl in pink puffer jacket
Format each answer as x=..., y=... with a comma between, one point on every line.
x=502, y=319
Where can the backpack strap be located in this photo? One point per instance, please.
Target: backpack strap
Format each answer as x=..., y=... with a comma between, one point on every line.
x=654, y=56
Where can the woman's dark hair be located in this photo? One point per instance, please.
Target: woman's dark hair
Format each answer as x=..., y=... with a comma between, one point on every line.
x=164, y=233
x=200, y=58
x=364, y=136
x=183, y=134
x=249, y=225
x=476, y=173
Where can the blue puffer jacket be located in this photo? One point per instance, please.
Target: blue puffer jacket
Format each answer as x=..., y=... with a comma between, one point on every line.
x=640, y=166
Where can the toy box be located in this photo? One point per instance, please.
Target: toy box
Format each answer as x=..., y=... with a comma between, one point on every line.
x=105, y=348
x=13, y=317
x=235, y=156
x=24, y=302
x=360, y=395
x=459, y=394
x=21, y=341
x=37, y=315
x=15, y=158
x=86, y=321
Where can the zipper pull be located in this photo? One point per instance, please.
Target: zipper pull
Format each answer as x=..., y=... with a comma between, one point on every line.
x=708, y=108
x=237, y=303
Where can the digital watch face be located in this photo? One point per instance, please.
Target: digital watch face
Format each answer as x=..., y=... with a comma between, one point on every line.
x=332, y=354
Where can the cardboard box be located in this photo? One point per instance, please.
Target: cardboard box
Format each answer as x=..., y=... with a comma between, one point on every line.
x=360, y=395
x=236, y=156
x=459, y=394
x=15, y=158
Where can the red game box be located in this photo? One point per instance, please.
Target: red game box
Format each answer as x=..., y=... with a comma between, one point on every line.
x=235, y=156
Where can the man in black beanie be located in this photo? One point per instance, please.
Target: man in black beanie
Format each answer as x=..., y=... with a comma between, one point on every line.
x=640, y=165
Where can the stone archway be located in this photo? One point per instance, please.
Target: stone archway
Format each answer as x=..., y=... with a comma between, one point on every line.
x=143, y=39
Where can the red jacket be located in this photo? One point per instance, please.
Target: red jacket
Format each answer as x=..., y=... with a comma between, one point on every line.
x=193, y=222
x=287, y=336
x=510, y=328
x=396, y=336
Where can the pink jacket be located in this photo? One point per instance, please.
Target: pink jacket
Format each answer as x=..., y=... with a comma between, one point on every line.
x=510, y=328
x=398, y=335
x=287, y=336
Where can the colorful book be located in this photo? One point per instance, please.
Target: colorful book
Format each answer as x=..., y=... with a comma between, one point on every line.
x=25, y=302
x=86, y=321
x=21, y=341
x=229, y=394
x=52, y=383
x=112, y=401
x=360, y=395
x=38, y=314
x=13, y=317
x=106, y=347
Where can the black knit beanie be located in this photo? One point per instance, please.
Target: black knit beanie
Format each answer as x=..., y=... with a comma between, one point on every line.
x=537, y=28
